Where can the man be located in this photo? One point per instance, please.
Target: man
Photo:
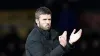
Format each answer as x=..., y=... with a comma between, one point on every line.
x=43, y=41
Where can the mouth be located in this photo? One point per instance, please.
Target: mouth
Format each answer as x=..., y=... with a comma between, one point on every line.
x=48, y=26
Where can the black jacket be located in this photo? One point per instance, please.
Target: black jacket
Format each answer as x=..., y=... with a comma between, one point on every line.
x=44, y=43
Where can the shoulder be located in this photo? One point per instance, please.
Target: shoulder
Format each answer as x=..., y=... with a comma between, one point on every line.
x=54, y=33
x=34, y=35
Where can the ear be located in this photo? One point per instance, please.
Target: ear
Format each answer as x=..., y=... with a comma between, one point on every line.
x=37, y=21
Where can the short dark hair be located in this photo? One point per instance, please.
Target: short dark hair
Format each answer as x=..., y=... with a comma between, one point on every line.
x=42, y=10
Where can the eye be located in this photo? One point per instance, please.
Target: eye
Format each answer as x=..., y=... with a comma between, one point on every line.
x=44, y=19
x=49, y=19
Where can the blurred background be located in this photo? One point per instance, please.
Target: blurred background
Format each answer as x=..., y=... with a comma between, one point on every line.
x=17, y=20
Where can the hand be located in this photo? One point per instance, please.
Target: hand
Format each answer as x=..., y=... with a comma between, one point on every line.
x=63, y=39
x=75, y=36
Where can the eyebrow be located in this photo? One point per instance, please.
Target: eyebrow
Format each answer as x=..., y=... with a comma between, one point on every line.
x=46, y=19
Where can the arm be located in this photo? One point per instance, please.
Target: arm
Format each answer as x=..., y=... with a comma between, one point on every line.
x=36, y=49
x=68, y=47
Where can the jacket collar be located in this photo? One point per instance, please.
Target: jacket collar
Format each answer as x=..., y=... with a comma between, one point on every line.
x=50, y=34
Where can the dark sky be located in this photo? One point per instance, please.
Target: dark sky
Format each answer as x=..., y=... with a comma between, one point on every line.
x=28, y=4
x=19, y=4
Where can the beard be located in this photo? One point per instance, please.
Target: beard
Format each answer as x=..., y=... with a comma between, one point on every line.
x=47, y=27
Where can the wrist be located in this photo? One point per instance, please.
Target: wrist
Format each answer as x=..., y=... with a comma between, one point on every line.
x=63, y=45
x=70, y=42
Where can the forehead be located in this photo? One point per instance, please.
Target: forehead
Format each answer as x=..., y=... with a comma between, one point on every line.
x=45, y=16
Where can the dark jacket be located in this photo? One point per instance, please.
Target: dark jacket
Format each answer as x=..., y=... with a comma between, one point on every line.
x=44, y=43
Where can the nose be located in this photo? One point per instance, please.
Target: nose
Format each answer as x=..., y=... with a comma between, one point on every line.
x=48, y=21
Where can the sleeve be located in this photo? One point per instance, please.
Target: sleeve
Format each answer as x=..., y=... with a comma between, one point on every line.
x=36, y=49
x=68, y=47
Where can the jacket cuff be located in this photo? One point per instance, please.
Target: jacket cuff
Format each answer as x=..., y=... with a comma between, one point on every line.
x=62, y=47
x=68, y=47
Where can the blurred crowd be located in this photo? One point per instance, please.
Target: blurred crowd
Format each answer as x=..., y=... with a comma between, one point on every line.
x=12, y=40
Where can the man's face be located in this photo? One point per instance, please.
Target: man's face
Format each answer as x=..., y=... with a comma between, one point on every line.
x=44, y=21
